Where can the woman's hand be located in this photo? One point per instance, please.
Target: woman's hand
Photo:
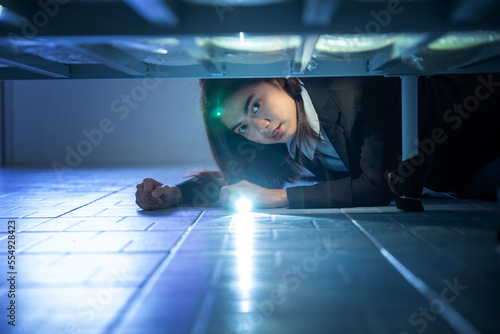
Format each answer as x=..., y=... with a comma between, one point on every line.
x=260, y=197
x=152, y=195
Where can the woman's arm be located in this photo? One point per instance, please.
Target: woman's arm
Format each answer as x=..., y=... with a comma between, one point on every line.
x=260, y=197
x=202, y=189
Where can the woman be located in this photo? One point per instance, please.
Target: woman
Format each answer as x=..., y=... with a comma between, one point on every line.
x=264, y=133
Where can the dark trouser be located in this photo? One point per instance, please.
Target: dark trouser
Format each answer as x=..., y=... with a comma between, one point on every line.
x=483, y=184
x=464, y=110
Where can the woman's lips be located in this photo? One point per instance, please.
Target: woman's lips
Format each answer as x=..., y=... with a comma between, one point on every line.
x=277, y=133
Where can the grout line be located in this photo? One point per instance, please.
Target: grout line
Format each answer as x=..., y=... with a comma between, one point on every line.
x=21, y=249
x=436, y=249
x=96, y=271
x=203, y=317
x=122, y=250
x=449, y=314
x=98, y=199
x=100, y=230
x=16, y=207
x=430, y=244
x=119, y=220
x=217, y=272
x=477, y=220
x=95, y=235
x=71, y=226
x=426, y=242
x=395, y=221
x=97, y=213
x=95, y=253
x=205, y=310
x=26, y=215
x=457, y=231
x=133, y=304
x=412, y=233
x=27, y=229
x=151, y=226
x=449, y=195
x=482, y=207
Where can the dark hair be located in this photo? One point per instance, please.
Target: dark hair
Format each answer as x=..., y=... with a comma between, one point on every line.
x=269, y=166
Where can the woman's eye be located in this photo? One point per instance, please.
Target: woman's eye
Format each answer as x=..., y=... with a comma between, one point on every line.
x=255, y=107
x=243, y=129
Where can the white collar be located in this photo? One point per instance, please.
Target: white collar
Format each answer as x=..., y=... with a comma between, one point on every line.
x=312, y=118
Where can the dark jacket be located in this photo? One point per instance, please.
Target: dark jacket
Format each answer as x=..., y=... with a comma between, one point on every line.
x=361, y=117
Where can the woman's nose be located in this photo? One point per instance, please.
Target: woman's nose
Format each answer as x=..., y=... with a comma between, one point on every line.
x=262, y=124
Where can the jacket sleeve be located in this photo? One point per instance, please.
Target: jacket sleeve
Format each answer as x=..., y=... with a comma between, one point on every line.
x=374, y=142
x=202, y=189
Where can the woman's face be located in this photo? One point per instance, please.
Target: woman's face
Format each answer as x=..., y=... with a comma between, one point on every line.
x=263, y=113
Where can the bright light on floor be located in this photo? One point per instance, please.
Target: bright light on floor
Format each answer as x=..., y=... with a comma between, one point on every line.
x=244, y=228
x=243, y=205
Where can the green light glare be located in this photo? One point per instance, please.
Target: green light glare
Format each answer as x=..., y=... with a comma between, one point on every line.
x=217, y=112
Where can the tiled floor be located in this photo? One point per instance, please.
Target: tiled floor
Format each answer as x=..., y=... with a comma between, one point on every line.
x=88, y=261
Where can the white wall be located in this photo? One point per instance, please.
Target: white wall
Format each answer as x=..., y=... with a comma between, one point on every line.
x=159, y=124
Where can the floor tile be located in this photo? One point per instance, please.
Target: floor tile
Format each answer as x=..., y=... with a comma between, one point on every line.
x=88, y=260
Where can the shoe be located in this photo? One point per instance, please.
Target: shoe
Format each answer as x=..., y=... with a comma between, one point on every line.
x=408, y=189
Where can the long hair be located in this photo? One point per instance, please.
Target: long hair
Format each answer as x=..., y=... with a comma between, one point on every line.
x=269, y=166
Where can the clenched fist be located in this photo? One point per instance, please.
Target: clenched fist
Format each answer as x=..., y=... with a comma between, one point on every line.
x=152, y=195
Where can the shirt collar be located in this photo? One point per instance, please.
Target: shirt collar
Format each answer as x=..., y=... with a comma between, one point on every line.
x=312, y=118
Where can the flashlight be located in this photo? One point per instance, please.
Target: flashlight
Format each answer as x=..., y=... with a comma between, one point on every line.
x=243, y=204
